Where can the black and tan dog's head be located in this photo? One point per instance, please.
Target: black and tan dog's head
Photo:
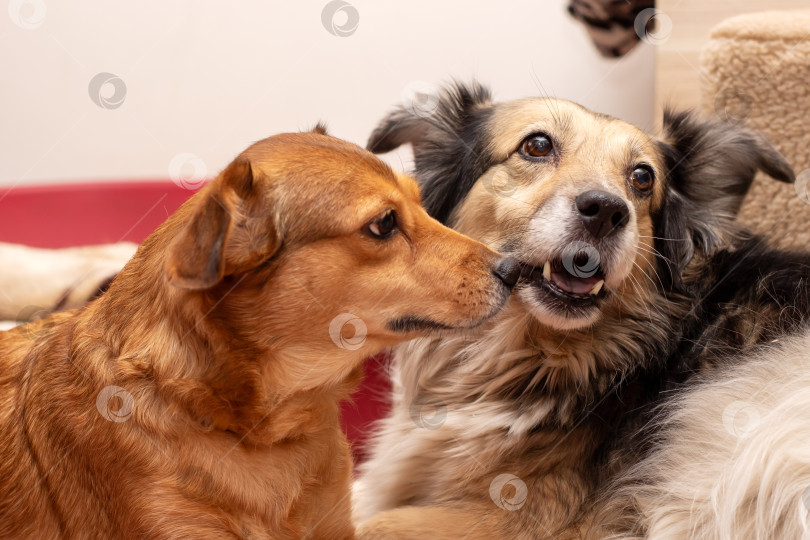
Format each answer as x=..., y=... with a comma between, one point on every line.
x=598, y=212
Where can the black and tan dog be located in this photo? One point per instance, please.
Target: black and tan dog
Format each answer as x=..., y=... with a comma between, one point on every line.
x=635, y=278
x=198, y=397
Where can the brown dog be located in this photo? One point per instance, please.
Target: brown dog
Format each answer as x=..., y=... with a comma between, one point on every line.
x=198, y=397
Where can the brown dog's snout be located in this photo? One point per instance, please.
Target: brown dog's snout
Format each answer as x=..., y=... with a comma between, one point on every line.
x=601, y=212
x=508, y=271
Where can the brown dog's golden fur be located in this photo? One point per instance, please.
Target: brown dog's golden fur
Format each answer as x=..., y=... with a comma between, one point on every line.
x=198, y=397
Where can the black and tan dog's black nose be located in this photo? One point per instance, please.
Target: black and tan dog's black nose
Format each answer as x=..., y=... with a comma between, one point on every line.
x=508, y=271
x=601, y=212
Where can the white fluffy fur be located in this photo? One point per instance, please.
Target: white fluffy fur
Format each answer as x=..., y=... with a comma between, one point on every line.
x=735, y=458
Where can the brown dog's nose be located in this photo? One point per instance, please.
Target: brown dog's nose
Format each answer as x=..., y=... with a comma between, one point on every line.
x=508, y=271
x=601, y=212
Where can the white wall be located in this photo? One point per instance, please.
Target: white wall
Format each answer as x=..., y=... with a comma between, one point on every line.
x=208, y=78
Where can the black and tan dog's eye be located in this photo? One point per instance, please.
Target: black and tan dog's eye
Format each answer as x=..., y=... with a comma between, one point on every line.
x=383, y=225
x=642, y=178
x=536, y=146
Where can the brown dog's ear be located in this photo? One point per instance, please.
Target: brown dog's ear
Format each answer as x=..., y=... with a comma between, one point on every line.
x=231, y=230
x=195, y=257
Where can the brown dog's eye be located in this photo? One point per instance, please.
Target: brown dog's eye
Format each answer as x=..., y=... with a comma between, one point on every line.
x=536, y=146
x=642, y=178
x=383, y=225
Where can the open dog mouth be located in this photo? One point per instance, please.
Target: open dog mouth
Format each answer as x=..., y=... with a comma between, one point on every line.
x=574, y=283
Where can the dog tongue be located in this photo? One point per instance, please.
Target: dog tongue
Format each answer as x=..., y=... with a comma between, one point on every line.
x=574, y=285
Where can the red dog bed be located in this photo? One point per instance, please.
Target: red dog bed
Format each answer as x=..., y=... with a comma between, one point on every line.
x=101, y=213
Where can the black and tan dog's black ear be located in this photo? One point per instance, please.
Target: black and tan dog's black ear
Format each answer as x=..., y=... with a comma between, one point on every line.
x=231, y=230
x=710, y=157
x=710, y=168
x=448, y=133
x=444, y=110
x=401, y=126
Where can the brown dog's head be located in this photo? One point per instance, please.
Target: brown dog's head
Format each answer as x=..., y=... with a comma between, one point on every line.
x=598, y=212
x=312, y=245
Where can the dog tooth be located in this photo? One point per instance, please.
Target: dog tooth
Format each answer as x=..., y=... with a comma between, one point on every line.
x=547, y=271
x=597, y=287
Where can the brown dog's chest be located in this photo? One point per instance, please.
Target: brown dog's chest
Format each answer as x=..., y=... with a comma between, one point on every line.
x=177, y=492
x=143, y=473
